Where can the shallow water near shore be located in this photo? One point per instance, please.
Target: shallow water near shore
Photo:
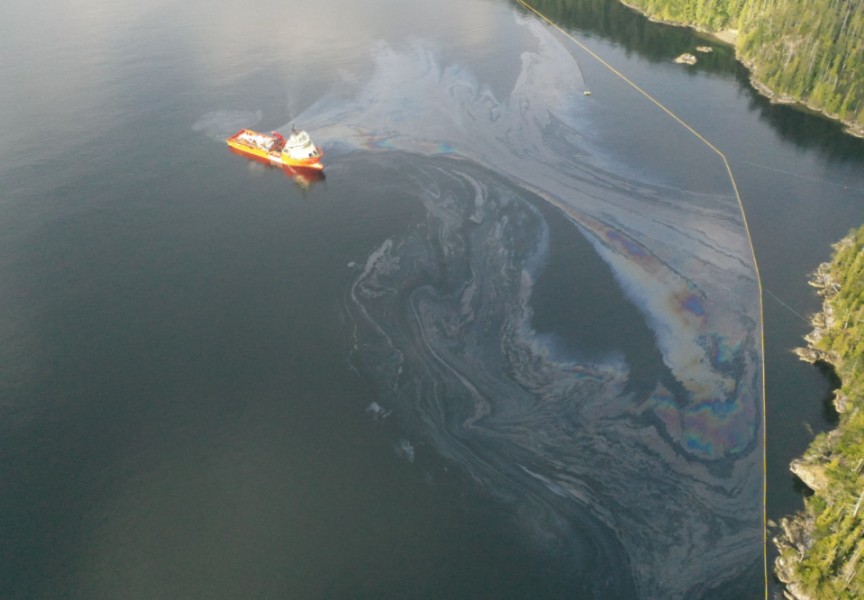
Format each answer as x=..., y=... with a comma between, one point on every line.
x=509, y=346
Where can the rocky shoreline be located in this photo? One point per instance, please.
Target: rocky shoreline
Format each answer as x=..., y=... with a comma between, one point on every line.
x=848, y=126
x=816, y=555
x=730, y=37
x=795, y=536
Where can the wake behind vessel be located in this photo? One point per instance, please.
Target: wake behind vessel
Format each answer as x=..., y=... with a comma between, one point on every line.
x=295, y=151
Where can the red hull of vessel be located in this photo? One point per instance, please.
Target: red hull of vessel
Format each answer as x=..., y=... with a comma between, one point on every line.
x=301, y=175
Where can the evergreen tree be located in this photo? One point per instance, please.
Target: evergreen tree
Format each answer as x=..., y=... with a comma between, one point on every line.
x=809, y=50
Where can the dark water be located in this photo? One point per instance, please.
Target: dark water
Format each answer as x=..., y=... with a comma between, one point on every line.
x=464, y=365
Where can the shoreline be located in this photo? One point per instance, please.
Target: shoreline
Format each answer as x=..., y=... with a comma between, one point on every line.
x=819, y=549
x=730, y=37
x=796, y=532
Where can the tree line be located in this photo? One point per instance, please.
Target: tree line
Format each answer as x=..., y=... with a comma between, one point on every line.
x=809, y=51
x=822, y=549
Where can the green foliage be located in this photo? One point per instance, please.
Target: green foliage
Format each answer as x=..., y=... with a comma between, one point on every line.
x=712, y=14
x=816, y=505
x=833, y=564
x=811, y=51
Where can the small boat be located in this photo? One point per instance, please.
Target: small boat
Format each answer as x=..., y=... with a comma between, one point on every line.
x=295, y=151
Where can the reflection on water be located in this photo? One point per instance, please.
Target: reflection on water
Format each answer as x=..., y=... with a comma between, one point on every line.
x=179, y=419
x=665, y=479
x=625, y=26
x=303, y=178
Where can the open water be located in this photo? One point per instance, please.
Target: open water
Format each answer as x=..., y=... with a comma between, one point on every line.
x=509, y=347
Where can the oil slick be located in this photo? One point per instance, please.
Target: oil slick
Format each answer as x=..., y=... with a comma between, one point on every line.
x=654, y=493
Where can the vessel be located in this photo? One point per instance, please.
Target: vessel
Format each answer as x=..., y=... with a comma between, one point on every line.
x=295, y=151
x=304, y=177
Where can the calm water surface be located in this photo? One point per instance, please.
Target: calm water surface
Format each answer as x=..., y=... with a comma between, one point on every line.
x=464, y=365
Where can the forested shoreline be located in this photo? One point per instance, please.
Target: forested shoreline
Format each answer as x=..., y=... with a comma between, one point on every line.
x=822, y=548
x=812, y=53
x=804, y=51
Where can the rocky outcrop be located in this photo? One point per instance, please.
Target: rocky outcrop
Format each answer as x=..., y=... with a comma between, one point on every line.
x=821, y=548
x=812, y=475
x=686, y=59
x=792, y=542
x=771, y=38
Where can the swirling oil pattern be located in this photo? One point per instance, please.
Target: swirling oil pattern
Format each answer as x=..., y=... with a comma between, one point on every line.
x=651, y=490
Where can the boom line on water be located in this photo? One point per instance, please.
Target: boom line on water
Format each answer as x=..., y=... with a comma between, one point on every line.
x=722, y=156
